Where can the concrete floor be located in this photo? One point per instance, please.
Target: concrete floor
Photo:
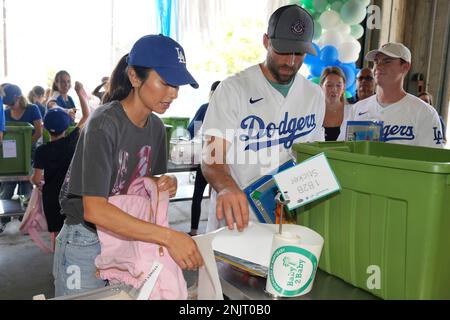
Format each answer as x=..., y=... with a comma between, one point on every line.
x=25, y=271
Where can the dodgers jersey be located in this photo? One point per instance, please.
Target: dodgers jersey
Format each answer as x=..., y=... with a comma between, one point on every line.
x=409, y=121
x=261, y=124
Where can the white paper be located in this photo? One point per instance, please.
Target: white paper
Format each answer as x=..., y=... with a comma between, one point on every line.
x=308, y=181
x=149, y=283
x=9, y=149
x=253, y=244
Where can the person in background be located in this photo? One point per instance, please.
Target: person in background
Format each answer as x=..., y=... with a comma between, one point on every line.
x=200, y=181
x=333, y=84
x=60, y=94
x=37, y=96
x=255, y=116
x=19, y=110
x=428, y=98
x=52, y=160
x=407, y=119
x=365, y=85
x=98, y=92
x=123, y=141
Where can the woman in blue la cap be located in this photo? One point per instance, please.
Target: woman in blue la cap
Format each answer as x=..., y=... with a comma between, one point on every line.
x=122, y=141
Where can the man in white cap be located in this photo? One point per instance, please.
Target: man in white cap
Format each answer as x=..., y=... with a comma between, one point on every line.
x=407, y=119
x=255, y=116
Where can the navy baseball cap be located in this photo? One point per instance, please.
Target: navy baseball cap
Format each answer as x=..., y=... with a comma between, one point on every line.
x=165, y=56
x=12, y=92
x=291, y=30
x=56, y=120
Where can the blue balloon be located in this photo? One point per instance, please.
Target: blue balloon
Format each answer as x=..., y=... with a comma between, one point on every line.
x=350, y=75
x=316, y=68
x=329, y=54
x=310, y=59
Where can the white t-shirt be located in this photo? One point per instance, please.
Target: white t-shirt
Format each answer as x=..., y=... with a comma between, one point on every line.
x=409, y=121
x=261, y=124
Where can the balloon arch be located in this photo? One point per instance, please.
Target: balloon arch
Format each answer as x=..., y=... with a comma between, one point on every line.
x=337, y=28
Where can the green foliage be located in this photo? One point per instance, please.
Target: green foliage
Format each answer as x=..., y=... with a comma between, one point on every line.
x=234, y=49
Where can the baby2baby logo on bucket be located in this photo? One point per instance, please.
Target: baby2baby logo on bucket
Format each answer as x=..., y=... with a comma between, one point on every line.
x=291, y=271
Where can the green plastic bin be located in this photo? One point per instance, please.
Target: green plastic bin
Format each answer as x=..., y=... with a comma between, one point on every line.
x=20, y=165
x=388, y=230
x=176, y=122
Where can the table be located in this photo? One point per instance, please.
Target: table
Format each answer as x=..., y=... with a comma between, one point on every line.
x=239, y=285
x=184, y=192
x=11, y=208
x=173, y=168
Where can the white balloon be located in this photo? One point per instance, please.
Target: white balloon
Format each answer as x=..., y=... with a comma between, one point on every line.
x=365, y=2
x=331, y=38
x=349, y=52
x=329, y=19
x=343, y=28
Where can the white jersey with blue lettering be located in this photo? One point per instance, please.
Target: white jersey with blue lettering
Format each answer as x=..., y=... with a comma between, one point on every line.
x=409, y=121
x=261, y=124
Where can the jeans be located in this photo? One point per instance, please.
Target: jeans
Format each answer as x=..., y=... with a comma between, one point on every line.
x=74, y=268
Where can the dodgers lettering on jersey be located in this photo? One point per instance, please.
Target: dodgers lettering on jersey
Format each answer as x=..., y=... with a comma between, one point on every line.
x=285, y=133
x=398, y=133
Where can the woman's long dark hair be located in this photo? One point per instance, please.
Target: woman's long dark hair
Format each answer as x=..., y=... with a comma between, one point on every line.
x=119, y=84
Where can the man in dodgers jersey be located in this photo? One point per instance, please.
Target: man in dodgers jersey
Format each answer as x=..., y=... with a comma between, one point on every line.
x=256, y=116
x=407, y=119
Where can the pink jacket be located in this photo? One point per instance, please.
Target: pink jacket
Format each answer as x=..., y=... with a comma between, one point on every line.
x=127, y=261
x=34, y=222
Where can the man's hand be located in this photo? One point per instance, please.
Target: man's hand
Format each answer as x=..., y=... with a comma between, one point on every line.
x=168, y=183
x=233, y=206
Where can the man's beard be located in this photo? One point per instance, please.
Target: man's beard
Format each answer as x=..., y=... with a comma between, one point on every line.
x=282, y=79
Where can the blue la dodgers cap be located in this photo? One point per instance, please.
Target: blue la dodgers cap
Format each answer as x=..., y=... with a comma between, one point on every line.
x=12, y=92
x=56, y=120
x=165, y=56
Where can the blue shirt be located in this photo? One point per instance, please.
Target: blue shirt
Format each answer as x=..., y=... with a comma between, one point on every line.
x=30, y=115
x=199, y=116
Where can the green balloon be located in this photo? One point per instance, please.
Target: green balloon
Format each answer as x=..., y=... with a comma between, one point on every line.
x=336, y=6
x=353, y=12
x=307, y=4
x=348, y=95
x=316, y=80
x=320, y=5
x=357, y=31
x=317, y=30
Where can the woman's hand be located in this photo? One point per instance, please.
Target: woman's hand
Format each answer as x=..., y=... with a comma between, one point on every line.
x=184, y=250
x=168, y=183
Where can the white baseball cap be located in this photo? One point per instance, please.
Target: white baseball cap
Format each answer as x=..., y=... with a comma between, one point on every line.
x=392, y=49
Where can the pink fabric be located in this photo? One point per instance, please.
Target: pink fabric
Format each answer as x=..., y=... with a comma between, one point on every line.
x=127, y=261
x=34, y=222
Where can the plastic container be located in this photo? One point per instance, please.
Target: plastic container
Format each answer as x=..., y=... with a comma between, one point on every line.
x=20, y=165
x=176, y=123
x=388, y=230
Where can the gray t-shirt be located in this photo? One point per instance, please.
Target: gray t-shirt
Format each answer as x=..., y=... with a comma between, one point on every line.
x=111, y=153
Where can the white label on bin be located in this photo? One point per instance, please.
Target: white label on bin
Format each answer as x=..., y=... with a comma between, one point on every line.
x=308, y=181
x=9, y=149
